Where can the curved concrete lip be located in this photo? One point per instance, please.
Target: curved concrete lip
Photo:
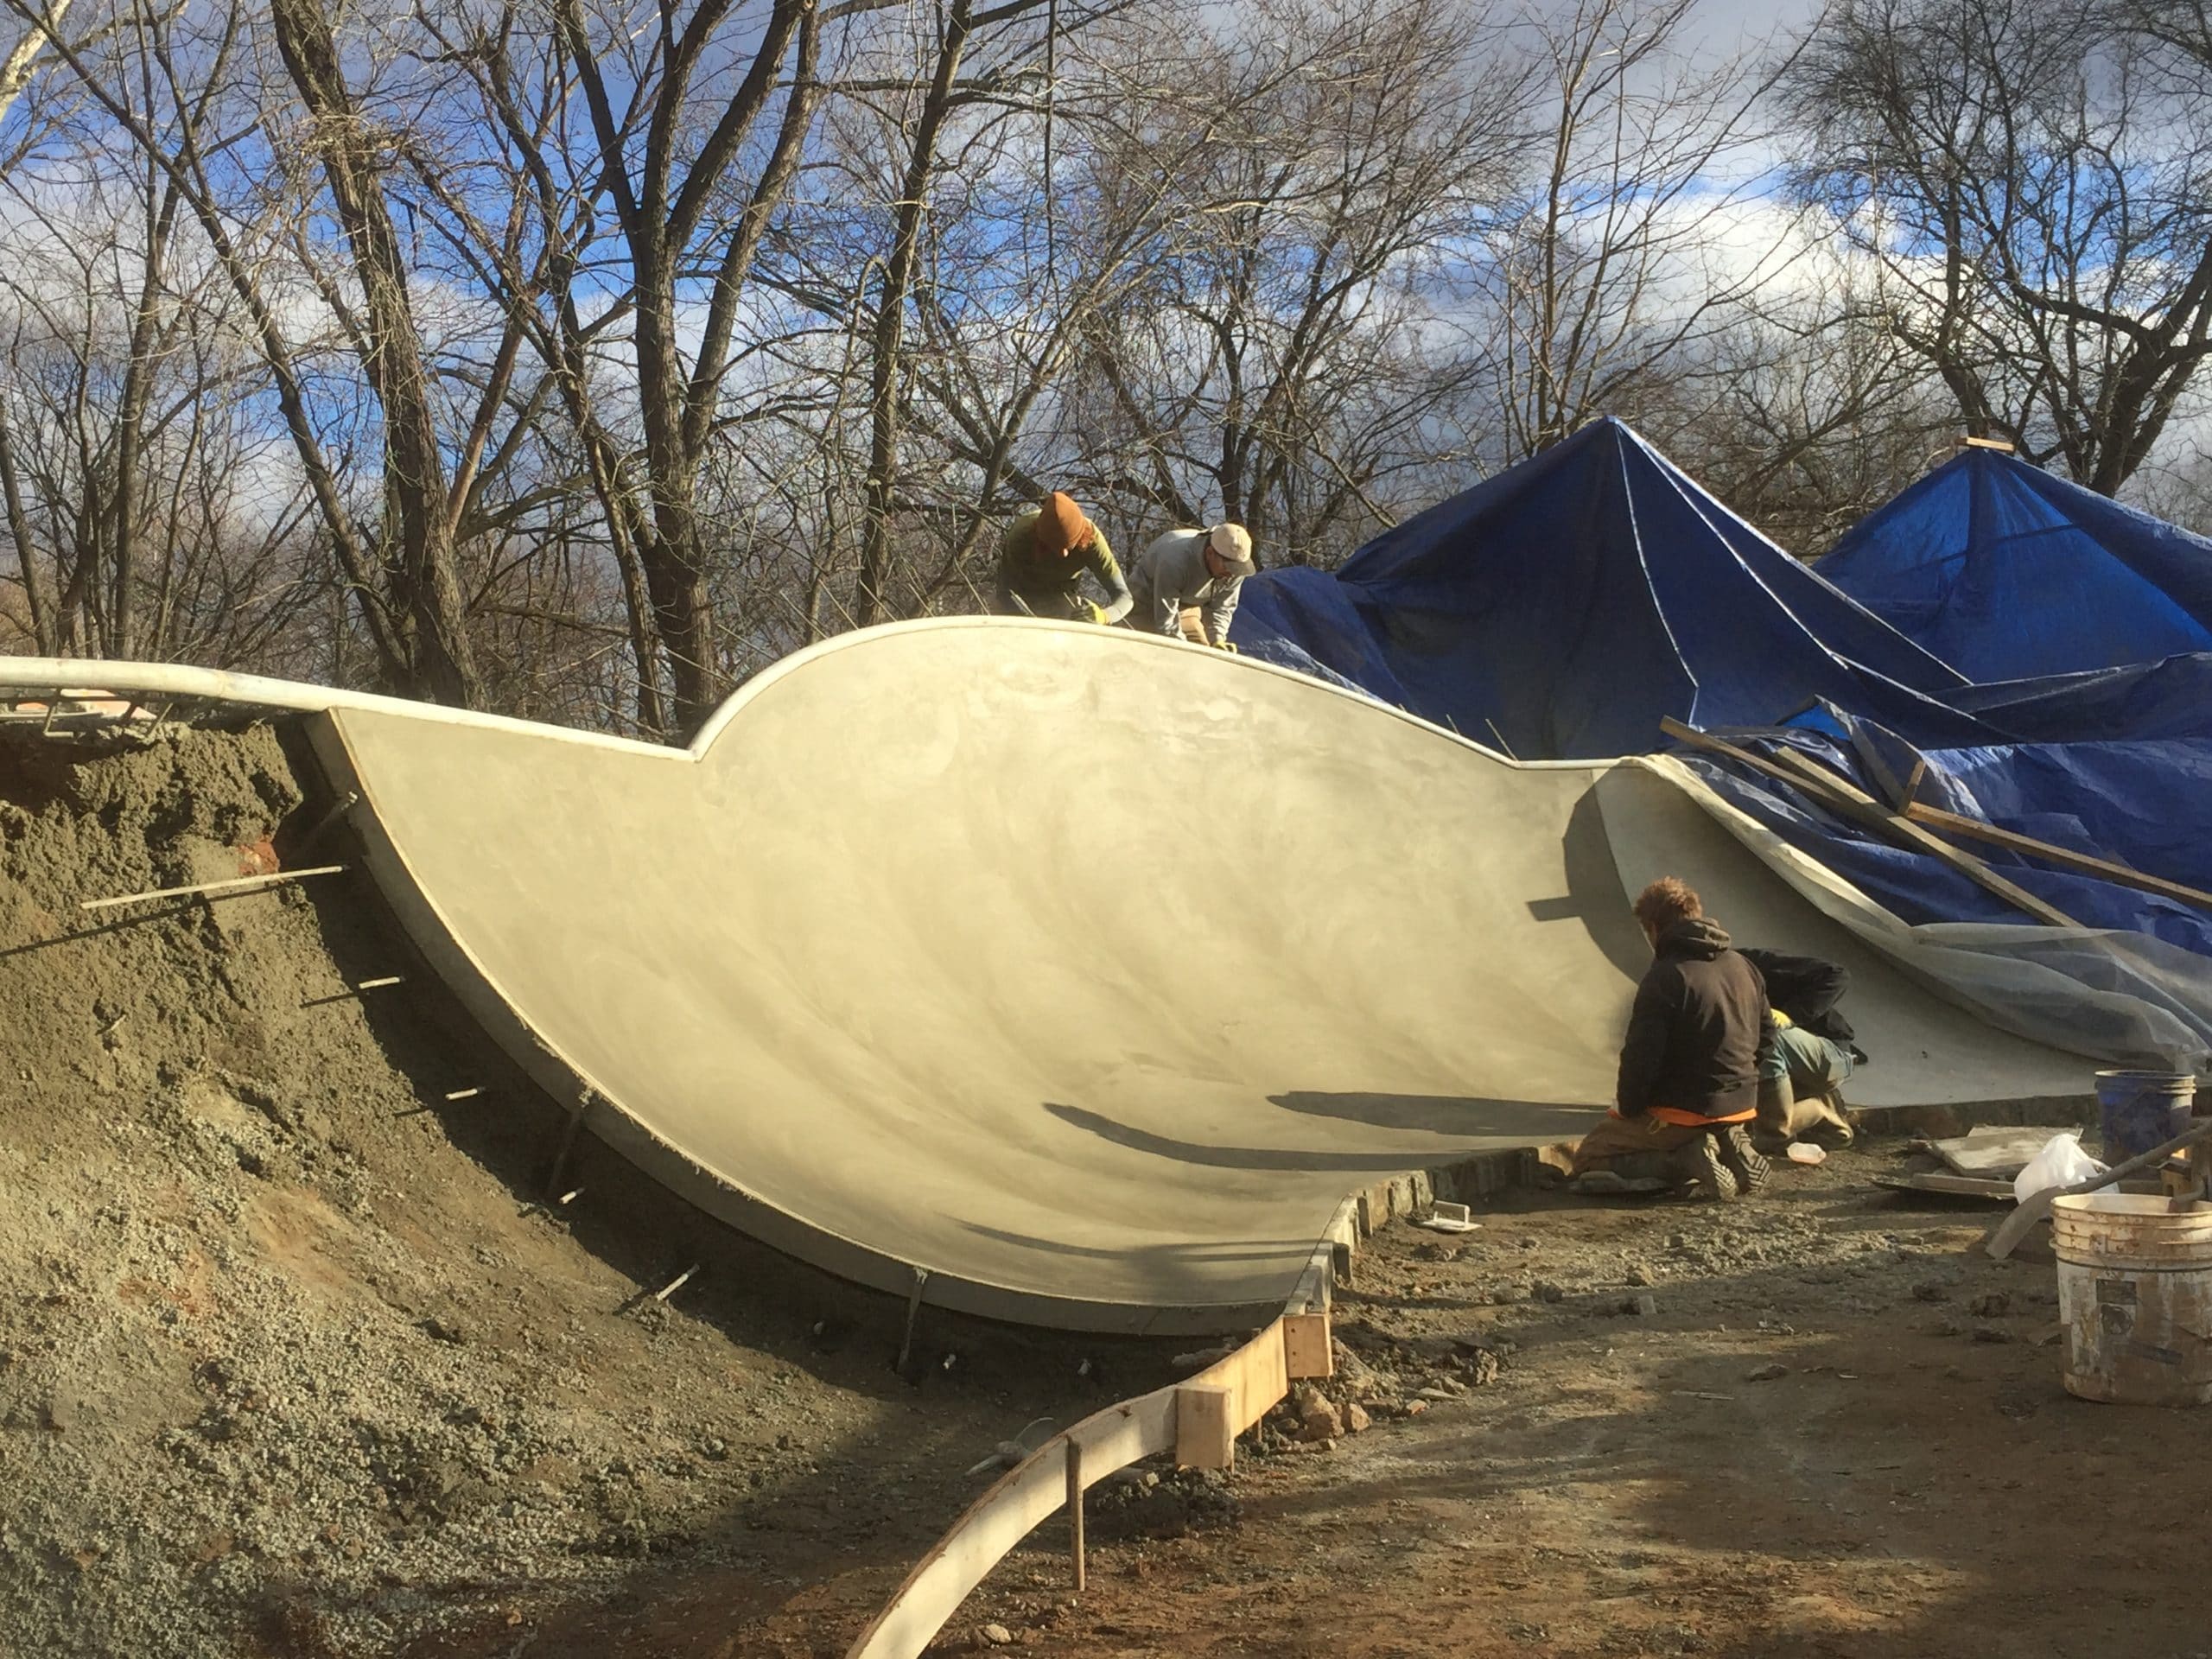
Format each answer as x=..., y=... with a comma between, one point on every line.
x=1081, y=972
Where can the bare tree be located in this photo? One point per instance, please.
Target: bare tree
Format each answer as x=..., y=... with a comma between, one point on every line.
x=419, y=510
x=2041, y=209
x=1640, y=234
x=670, y=157
x=1285, y=349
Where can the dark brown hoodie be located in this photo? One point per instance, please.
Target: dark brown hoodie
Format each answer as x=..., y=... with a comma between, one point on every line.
x=1693, y=1035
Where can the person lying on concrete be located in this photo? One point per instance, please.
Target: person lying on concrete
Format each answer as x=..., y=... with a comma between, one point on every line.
x=1689, y=1068
x=1043, y=558
x=1187, y=569
x=1809, y=1054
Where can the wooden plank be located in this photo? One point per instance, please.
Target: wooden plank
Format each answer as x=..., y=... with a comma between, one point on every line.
x=1957, y=824
x=1912, y=778
x=1246, y=1384
x=1305, y=1347
x=1006, y=1514
x=1257, y=1374
x=1970, y=1186
x=1206, y=1433
x=1847, y=800
x=1993, y=1153
x=1899, y=827
x=1954, y=1186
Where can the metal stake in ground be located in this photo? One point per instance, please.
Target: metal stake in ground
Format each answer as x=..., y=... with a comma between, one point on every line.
x=913, y=1311
x=1075, y=1511
x=238, y=883
x=568, y=1141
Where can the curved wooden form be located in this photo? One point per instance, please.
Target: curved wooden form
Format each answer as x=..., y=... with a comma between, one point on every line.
x=1197, y=1419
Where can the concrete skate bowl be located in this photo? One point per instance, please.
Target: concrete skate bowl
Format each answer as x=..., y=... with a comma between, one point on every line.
x=1066, y=976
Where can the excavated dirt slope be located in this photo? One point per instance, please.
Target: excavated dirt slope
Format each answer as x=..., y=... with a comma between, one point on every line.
x=290, y=1361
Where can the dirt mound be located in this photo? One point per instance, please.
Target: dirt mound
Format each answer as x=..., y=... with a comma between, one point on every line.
x=290, y=1359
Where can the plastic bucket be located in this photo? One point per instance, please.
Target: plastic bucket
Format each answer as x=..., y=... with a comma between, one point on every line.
x=2142, y=1110
x=2135, y=1297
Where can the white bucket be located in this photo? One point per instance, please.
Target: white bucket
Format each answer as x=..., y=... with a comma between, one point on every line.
x=2135, y=1297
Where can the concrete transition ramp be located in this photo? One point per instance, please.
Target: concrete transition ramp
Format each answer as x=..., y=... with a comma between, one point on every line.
x=1077, y=975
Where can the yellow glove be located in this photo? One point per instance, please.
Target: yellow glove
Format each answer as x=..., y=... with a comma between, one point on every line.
x=1229, y=646
x=1097, y=613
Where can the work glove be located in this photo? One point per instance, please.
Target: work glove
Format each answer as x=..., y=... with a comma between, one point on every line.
x=1093, y=612
x=1229, y=646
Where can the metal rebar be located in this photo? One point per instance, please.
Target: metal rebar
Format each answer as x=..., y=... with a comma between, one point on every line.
x=568, y=1141
x=913, y=1311
x=240, y=884
x=676, y=1284
x=1075, y=1511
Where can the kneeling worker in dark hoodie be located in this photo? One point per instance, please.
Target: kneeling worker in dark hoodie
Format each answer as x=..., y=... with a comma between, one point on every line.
x=1689, y=1073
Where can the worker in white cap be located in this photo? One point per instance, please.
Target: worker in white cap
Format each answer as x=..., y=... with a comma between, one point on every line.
x=1191, y=567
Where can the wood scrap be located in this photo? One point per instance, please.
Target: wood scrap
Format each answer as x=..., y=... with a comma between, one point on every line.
x=1847, y=800
x=1974, y=1186
x=1992, y=1154
x=1949, y=1186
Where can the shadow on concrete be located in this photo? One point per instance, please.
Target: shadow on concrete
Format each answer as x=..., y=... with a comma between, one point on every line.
x=1193, y=1151
x=1465, y=1118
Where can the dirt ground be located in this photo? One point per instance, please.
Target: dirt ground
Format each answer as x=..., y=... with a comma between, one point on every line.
x=1838, y=1431
x=294, y=1361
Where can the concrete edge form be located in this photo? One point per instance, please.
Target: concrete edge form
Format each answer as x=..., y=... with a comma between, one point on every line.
x=1146, y=1425
x=1254, y=1378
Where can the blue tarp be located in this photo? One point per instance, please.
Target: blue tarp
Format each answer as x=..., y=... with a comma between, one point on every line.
x=2168, y=699
x=2008, y=572
x=2114, y=801
x=1562, y=608
x=1565, y=606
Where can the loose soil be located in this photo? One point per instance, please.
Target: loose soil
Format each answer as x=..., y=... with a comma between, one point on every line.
x=293, y=1360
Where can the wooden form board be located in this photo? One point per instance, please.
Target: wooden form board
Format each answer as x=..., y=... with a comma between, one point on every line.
x=1306, y=1349
x=1205, y=1430
x=1231, y=1393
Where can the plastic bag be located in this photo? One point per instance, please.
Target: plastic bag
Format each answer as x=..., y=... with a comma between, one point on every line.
x=2060, y=1163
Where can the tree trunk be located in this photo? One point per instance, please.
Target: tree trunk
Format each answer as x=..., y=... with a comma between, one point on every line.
x=131, y=420
x=441, y=665
x=891, y=320
x=675, y=558
x=19, y=527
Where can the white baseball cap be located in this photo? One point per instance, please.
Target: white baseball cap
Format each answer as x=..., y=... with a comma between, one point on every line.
x=1232, y=545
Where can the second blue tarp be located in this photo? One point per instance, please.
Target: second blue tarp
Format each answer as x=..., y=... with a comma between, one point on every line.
x=2006, y=572
x=1560, y=609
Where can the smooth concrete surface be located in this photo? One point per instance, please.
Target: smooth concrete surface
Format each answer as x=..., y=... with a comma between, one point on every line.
x=1084, y=971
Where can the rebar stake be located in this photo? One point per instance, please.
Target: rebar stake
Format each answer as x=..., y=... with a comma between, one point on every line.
x=1075, y=1511
x=568, y=1141
x=913, y=1311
